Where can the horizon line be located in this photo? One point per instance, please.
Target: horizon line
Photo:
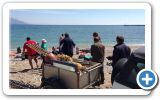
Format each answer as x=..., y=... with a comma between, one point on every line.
x=85, y=24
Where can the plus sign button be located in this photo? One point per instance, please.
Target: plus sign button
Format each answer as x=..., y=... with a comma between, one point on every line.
x=147, y=79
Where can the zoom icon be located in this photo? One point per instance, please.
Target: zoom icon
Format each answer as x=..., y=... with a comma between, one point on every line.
x=147, y=79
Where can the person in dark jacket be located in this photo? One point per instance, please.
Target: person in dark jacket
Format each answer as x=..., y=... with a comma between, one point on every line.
x=67, y=45
x=121, y=50
x=98, y=53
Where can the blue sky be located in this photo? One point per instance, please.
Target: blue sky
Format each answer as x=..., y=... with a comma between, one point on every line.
x=80, y=17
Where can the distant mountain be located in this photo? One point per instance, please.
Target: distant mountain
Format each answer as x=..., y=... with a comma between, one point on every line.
x=15, y=21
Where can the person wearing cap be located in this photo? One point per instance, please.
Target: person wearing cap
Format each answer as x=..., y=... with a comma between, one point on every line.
x=98, y=53
x=121, y=50
x=44, y=44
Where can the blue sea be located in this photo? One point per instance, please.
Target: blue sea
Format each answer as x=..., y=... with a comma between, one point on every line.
x=81, y=34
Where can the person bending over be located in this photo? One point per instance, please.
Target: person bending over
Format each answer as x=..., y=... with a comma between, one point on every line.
x=30, y=52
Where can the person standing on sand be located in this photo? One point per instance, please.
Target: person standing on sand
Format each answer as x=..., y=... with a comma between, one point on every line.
x=60, y=39
x=121, y=50
x=98, y=53
x=43, y=46
x=67, y=45
x=30, y=52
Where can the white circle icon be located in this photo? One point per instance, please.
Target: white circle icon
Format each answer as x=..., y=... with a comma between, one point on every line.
x=147, y=79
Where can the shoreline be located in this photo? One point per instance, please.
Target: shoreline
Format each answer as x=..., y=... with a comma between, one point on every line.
x=85, y=46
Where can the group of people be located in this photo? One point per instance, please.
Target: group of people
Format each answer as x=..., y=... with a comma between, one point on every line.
x=121, y=50
x=66, y=46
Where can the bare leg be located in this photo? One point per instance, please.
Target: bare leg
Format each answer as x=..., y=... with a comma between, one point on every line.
x=42, y=65
x=35, y=59
x=30, y=61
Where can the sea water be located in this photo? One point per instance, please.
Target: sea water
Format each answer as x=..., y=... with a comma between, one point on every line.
x=81, y=34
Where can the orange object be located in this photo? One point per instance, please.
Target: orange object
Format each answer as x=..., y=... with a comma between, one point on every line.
x=51, y=56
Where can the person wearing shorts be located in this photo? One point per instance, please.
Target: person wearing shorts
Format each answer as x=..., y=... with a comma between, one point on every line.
x=30, y=52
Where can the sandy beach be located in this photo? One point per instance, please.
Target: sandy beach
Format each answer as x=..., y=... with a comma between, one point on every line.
x=20, y=70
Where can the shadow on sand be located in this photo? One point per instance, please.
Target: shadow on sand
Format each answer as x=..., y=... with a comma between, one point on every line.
x=24, y=71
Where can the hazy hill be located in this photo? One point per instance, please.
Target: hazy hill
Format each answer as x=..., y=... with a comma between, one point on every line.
x=15, y=21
